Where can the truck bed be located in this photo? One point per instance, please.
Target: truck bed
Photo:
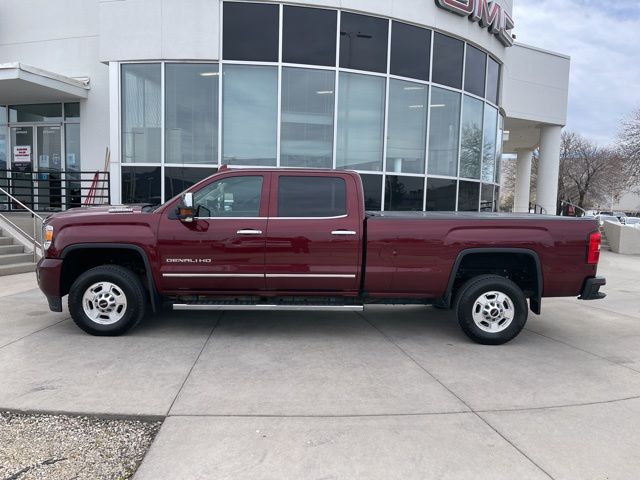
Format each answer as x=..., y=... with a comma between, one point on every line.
x=413, y=252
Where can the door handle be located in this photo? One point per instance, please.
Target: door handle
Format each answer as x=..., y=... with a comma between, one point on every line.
x=249, y=231
x=343, y=232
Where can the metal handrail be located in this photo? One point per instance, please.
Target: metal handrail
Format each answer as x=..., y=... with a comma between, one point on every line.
x=564, y=203
x=35, y=217
x=537, y=208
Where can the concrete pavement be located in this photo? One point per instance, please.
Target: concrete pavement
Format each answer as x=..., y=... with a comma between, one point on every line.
x=393, y=393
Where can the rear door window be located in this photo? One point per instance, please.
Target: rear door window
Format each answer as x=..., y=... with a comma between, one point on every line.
x=310, y=196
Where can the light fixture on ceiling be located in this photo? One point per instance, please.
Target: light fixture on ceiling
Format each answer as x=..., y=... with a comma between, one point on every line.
x=438, y=105
x=324, y=92
x=209, y=74
x=413, y=88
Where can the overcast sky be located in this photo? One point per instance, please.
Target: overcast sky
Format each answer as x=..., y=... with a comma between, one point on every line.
x=603, y=39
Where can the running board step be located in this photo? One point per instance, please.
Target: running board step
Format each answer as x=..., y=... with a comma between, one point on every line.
x=261, y=307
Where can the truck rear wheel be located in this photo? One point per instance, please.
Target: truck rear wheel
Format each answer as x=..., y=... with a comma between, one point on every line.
x=491, y=310
x=107, y=300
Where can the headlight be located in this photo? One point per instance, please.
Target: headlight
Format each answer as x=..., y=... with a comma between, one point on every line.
x=47, y=237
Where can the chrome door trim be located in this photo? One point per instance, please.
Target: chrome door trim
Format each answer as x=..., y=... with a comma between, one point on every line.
x=249, y=231
x=344, y=232
x=213, y=275
x=257, y=275
x=308, y=218
x=309, y=275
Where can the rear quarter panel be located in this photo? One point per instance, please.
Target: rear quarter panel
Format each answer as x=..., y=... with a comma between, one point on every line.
x=415, y=257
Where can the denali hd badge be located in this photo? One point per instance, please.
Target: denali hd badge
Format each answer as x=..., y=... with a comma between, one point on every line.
x=187, y=260
x=489, y=15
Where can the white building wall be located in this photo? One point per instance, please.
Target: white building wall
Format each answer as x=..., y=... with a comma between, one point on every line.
x=190, y=29
x=536, y=85
x=62, y=37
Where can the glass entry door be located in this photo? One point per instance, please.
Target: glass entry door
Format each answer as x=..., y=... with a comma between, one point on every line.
x=49, y=168
x=36, y=166
x=21, y=165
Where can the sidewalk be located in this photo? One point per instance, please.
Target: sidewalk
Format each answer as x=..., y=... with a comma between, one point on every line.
x=394, y=393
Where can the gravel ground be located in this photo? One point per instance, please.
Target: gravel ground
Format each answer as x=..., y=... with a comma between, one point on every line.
x=60, y=447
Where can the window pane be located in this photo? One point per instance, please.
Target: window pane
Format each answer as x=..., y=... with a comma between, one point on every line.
x=43, y=112
x=71, y=111
x=468, y=196
x=474, y=71
x=72, y=159
x=489, y=142
x=178, y=179
x=407, y=132
x=250, y=32
x=486, y=198
x=363, y=42
x=404, y=193
x=307, y=118
x=447, y=60
x=4, y=174
x=441, y=195
x=250, y=112
x=410, y=51
x=372, y=185
x=312, y=197
x=360, y=122
x=72, y=146
x=493, y=81
x=309, y=36
x=444, y=132
x=191, y=113
x=230, y=197
x=3, y=115
x=141, y=185
x=499, y=148
x=141, y=113
x=471, y=146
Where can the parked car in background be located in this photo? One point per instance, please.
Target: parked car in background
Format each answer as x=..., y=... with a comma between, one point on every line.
x=635, y=221
x=607, y=218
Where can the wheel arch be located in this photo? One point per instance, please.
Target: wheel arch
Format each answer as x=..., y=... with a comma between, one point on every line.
x=151, y=285
x=535, y=299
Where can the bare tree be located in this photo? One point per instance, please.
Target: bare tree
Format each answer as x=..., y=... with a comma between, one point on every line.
x=589, y=175
x=629, y=139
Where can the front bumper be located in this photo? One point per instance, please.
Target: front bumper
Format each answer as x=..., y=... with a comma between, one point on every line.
x=591, y=289
x=48, y=273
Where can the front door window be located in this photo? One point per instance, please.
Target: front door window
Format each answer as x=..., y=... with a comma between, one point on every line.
x=230, y=197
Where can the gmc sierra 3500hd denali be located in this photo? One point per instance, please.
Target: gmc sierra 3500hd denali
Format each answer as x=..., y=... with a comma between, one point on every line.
x=300, y=240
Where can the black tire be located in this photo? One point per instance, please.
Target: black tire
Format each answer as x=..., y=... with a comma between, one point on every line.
x=126, y=281
x=466, y=299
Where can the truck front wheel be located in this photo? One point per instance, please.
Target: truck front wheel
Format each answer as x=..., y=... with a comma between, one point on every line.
x=491, y=310
x=107, y=300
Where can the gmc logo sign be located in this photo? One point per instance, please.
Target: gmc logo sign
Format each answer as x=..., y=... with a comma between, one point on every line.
x=487, y=14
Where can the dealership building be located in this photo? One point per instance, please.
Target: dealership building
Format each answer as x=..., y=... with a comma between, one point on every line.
x=421, y=97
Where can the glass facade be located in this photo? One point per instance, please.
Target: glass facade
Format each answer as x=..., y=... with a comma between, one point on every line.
x=307, y=118
x=413, y=110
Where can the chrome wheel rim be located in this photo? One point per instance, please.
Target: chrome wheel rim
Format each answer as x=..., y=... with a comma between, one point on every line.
x=493, y=312
x=104, y=303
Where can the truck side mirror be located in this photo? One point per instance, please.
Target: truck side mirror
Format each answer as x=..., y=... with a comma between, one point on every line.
x=186, y=212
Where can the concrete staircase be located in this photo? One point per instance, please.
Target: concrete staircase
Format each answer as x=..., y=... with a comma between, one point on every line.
x=13, y=258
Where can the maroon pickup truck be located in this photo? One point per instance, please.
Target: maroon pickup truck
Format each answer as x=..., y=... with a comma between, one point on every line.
x=287, y=239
